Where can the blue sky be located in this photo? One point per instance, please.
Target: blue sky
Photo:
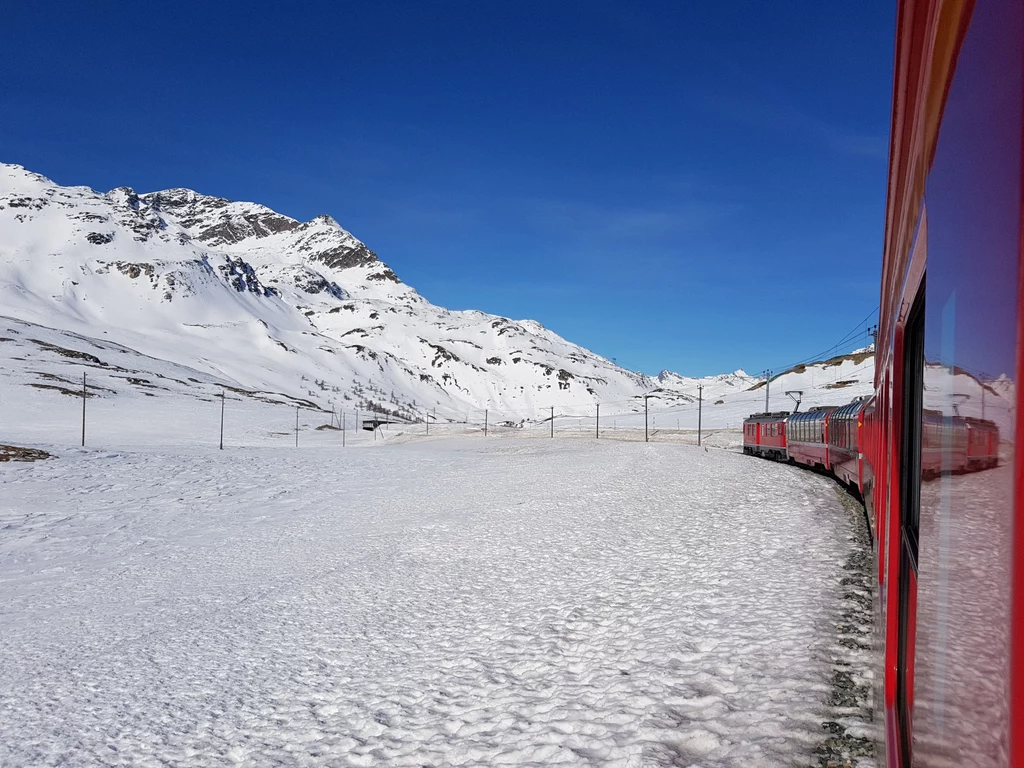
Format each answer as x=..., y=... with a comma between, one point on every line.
x=692, y=186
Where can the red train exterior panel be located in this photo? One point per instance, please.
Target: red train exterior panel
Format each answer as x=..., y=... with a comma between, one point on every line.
x=948, y=537
x=846, y=444
x=950, y=318
x=808, y=438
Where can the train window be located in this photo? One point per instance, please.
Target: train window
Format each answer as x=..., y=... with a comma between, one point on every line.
x=910, y=508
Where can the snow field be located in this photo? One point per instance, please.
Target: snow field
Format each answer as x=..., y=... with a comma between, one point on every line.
x=439, y=602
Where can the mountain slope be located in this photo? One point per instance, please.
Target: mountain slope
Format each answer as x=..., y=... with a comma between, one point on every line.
x=204, y=291
x=247, y=295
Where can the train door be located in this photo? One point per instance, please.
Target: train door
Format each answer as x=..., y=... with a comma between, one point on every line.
x=824, y=436
x=883, y=501
x=859, y=446
x=909, y=518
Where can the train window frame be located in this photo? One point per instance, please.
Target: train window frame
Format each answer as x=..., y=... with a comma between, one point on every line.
x=910, y=452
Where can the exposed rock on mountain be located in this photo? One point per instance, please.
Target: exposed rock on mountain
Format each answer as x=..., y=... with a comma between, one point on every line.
x=246, y=294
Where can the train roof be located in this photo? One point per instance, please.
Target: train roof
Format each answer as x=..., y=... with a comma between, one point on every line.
x=974, y=421
x=767, y=416
x=817, y=412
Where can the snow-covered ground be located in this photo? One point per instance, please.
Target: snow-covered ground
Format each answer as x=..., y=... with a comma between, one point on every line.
x=429, y=602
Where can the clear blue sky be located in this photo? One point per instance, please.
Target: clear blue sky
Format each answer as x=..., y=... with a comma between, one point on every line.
x=697, y=186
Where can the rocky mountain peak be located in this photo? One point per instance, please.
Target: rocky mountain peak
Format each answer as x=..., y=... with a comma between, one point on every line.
x=17, y=178
x=324, y=219
x=216, y=221
x=125, y=197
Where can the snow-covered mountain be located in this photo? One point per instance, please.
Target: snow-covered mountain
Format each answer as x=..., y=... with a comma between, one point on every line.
x=175, y=293
x=257, y=299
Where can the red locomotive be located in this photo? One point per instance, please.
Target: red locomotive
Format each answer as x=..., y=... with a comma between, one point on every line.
x=765, y=435
x=949, y=540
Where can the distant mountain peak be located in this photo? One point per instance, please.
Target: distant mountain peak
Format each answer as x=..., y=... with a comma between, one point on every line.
x=326, y=220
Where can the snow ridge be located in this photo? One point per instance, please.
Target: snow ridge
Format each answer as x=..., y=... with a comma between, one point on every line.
x=249, y=295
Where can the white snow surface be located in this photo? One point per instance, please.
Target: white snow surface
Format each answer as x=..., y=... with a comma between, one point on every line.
x=435, y=602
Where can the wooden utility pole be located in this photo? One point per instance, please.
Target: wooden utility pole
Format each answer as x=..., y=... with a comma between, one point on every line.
x=222, y=398
x=647, y=438
x=485, y=422
x=343, y=429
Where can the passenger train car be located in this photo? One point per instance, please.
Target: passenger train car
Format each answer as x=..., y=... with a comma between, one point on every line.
x=948, y=539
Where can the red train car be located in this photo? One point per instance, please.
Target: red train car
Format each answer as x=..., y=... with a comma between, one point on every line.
x=943, y=444
x=869, y=437
x=982, y=444
x=764, y=434
x=845, y=429
x=949, y=545
x=808, y=437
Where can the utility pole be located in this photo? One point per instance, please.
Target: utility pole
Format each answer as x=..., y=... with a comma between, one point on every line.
x=357, y=421
x=646, y=435
x=552, y=421
x=485, y=422
x=700, y=407
x=296, y=426
x=426, y=420
x=767, y=384
x=981, y=380
x=343, y=429
x=83, y=410
x=598, y=421
x=222, y=398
